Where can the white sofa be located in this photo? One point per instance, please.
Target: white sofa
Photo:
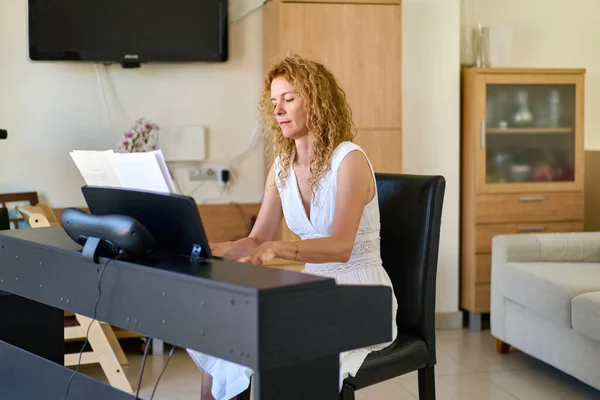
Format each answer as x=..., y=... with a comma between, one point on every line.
x=545, y=299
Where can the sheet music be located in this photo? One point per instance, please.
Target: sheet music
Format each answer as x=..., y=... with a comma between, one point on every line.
x=96, y=167
x=142, y=171
x=139, y=171
x=165, y=170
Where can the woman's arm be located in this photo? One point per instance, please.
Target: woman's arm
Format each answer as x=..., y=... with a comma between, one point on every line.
x=355, y=188
x=268, y=220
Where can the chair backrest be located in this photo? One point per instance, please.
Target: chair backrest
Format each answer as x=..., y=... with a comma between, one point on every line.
x=410, y=208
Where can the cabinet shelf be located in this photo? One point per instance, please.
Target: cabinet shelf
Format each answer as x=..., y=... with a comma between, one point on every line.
x=522, y=131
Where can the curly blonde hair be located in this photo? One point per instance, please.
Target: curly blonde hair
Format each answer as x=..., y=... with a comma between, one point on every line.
x=329, y=115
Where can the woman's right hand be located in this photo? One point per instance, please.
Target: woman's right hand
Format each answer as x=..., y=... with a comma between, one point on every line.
x=221, y=249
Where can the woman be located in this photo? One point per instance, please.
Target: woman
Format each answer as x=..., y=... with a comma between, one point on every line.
x=324, y=185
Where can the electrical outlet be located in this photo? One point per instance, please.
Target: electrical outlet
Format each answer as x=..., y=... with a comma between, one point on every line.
x=205, y=173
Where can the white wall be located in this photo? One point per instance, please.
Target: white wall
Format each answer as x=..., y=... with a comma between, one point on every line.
x=53, y=108
x=430, y=114
x=553, y=33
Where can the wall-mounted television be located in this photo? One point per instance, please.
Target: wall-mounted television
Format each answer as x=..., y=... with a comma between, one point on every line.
x=129, y=32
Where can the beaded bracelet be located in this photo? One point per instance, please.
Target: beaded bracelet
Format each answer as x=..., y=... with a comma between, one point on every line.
x=297, y=250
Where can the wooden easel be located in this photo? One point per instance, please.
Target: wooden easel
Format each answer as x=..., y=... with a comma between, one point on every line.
x=106, y=349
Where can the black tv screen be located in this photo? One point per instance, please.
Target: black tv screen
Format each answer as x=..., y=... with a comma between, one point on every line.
x=128, y=31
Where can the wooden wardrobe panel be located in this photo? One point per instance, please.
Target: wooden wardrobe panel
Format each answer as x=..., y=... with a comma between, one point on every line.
x=360, y=44
x=383, y=147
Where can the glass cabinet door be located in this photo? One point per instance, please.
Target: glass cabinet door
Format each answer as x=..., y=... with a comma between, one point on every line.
x=528, y=133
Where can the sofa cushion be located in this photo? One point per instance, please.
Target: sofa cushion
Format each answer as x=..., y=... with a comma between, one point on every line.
x=547, y=288
x=586, y=314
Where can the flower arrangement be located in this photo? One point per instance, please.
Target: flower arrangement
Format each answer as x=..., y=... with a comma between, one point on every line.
x=143, y=136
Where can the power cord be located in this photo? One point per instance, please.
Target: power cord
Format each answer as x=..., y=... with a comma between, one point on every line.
x=256, y=7
x=90, y=325
x=137, y=392
x=162, y=372
x=223, y=190
x=104, y=100
x=247, y=222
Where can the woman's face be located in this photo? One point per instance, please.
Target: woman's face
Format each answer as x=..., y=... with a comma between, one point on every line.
x=288, y=107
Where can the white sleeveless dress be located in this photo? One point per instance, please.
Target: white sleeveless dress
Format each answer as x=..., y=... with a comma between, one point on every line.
x=363, y=268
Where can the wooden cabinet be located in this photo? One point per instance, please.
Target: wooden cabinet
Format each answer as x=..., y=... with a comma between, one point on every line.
x=360, y=42
x=522, y=164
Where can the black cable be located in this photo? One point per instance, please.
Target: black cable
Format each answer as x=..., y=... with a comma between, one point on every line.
x=137, y=392
x=89, y=326
x=161, y=372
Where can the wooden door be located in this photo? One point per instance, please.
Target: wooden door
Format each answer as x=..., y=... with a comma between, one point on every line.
x=360, y=44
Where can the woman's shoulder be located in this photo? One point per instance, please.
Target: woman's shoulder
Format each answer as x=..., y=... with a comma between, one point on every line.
x=342, y=150
x=346, y=146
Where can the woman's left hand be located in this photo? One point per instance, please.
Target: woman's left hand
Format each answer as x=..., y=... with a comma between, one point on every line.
x=261, y=255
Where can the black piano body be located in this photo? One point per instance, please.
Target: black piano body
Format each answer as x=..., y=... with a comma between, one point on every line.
x=287, y=326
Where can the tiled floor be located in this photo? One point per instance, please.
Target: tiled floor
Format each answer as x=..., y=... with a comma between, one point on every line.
x=468, y=369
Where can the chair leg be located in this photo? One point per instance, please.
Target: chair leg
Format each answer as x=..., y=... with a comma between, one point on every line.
x=427, y=383
x=347, y=392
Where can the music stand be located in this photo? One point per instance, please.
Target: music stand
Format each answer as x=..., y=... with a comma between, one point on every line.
x=172, y=219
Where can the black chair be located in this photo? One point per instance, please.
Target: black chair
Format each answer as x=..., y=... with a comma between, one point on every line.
x=410, y=207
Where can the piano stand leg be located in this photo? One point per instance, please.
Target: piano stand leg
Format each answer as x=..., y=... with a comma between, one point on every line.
x=318, y=378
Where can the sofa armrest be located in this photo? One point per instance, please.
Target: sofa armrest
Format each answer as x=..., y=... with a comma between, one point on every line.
x=547, y=247
x=542, y=247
